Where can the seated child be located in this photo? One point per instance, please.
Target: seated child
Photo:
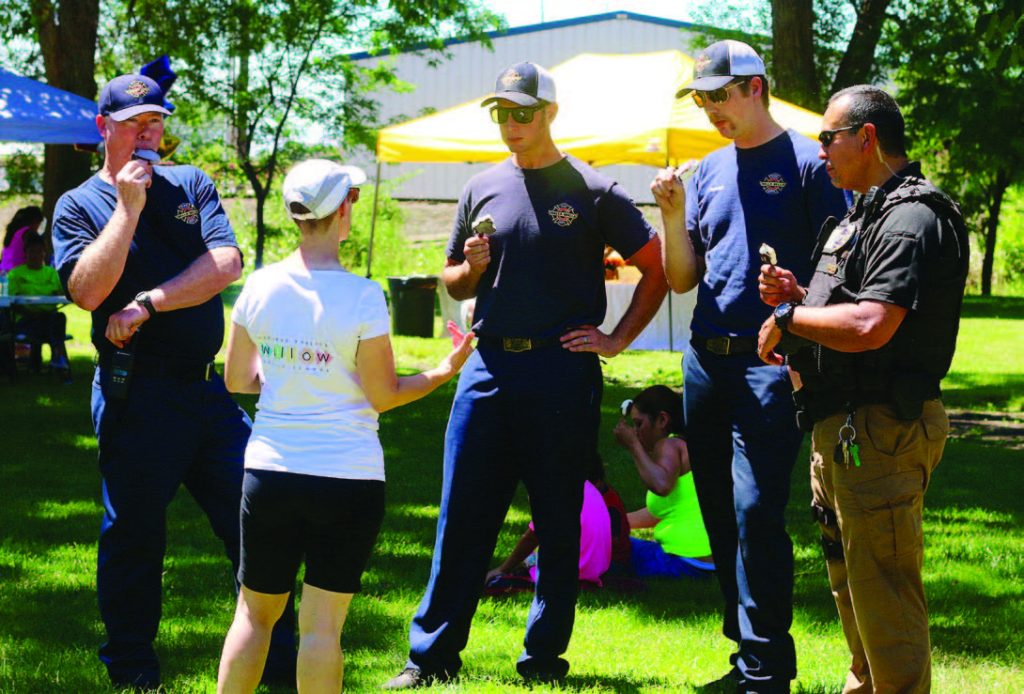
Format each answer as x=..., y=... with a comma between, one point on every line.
x=651, y=430
x=519, y=570
x=42, y=322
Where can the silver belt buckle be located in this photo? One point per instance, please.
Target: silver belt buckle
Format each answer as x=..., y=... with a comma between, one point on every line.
x=719, y=346
x=516, y=344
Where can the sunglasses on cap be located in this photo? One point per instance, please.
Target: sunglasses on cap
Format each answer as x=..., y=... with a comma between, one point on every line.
x=715, y=96
x=825, y=137
x=520, y=114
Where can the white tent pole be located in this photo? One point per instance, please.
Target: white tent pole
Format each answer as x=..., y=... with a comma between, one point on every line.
x=373, y=222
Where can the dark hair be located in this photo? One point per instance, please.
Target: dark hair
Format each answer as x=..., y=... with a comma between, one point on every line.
x=595, y=470
x=744, y=87
x=25, y=217
x=657, y=399
x=869, y=104
x=30, y=240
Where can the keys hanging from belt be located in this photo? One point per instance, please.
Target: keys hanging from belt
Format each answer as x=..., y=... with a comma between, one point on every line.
x=847, y=447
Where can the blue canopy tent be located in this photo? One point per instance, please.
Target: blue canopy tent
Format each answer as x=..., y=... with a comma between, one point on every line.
x=31, y=111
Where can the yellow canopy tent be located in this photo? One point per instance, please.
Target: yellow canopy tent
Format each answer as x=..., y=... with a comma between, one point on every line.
x=613, y=109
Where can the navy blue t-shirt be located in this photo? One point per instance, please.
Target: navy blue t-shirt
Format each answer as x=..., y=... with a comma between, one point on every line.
x=777, y=193
x=547, y=252
x=183, y=219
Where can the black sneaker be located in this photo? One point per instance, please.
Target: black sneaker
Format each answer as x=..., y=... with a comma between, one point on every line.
x=414, y=678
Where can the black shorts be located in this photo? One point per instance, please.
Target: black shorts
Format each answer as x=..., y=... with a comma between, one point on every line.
x=330, y=522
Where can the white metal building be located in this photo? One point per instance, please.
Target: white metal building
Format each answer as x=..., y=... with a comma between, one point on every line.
x=470, y=72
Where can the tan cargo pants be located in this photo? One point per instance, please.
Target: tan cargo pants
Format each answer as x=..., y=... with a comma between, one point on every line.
x=878, y=508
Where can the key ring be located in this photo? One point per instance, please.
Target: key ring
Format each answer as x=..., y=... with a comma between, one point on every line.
x=848, y=437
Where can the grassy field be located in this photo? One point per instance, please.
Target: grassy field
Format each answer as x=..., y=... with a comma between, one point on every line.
x=665, y=639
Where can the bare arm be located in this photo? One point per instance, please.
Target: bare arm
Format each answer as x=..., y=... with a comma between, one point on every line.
x=242, y=363
x=683, y=267
x=375, y=364
x=859, y=327
x=527, y=543
x=660, y=472
x=461, y=279
x=204, y=278
x=647, y=298
x=100, y=266
x=641, y=518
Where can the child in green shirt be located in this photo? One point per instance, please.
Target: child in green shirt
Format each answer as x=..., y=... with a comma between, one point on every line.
x=44, y=322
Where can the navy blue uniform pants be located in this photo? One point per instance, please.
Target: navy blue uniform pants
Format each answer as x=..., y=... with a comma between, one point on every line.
x=743, y=442
x=529, y=416
x=166, y=434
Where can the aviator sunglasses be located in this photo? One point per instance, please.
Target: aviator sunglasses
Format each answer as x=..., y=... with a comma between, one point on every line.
x=825, y=137
x=715, y=96
x=520, y=114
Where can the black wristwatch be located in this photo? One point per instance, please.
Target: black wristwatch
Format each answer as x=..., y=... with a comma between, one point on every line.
x=143, y=300
x=783, y=315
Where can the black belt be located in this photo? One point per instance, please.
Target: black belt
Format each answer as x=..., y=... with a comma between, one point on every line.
x=162, y=367
x=725, y=346
x=519, y=344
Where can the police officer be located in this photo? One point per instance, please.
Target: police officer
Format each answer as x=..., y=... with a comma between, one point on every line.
x=870, y=339
x=148, y=250
x=528, y=243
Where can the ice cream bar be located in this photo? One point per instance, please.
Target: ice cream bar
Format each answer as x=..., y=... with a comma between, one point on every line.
x=767, y=254
x=484, y=226
x=146, y=155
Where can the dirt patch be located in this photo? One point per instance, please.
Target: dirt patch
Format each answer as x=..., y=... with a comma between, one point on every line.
x=1004, y=429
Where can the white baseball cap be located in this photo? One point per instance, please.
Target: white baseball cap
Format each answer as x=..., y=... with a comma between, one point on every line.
x=320, y=185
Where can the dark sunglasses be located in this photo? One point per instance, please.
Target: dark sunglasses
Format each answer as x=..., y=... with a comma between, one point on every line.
x=825, y=137
x=520, y=114
x=715, y=96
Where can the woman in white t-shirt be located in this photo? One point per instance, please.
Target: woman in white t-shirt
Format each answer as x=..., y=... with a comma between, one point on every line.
x=312, y=340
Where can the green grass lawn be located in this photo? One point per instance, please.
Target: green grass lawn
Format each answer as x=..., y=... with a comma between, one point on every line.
x=665, y=639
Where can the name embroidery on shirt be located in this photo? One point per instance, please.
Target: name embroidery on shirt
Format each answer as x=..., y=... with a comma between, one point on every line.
x=563, y=214
x=773, y=183
x=187, y=213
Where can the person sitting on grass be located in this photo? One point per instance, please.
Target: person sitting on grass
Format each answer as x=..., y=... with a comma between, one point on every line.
x=651, y=429
x=519, y=570
x=44, y=323
x=312, y=339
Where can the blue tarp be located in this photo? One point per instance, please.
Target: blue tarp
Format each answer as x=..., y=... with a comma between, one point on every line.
x=31, y=111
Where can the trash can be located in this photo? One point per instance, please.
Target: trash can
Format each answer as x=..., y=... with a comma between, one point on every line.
x=412, y=305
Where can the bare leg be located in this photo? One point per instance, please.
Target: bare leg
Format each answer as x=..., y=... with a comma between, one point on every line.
x=248, y=640
x=321, y=665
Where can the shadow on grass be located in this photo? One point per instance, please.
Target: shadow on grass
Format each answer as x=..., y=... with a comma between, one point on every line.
x=970, y=390
x=993, y=307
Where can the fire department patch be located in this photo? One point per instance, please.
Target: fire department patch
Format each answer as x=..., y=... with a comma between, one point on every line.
x=702, y=62
x=562, y=214
x=138, y=89
x=773, y=183
x=187, y=213
x=510, y=78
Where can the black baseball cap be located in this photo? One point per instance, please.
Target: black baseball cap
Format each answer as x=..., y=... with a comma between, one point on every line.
x=720, y=63
x=524, y=84
x=129, y=95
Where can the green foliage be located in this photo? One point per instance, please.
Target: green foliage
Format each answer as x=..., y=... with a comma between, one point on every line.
x=23, y=172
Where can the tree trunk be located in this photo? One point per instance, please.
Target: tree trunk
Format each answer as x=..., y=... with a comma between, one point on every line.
x=1002, y=182
x=855, y=67
x=261, y=229
x=67, y=39
x=793, y=52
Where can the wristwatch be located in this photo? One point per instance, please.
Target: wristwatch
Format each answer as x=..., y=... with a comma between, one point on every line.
x=783, y=315
x=143, y=300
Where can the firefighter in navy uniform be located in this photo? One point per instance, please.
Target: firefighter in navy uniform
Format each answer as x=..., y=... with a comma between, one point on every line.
x=869, y=342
